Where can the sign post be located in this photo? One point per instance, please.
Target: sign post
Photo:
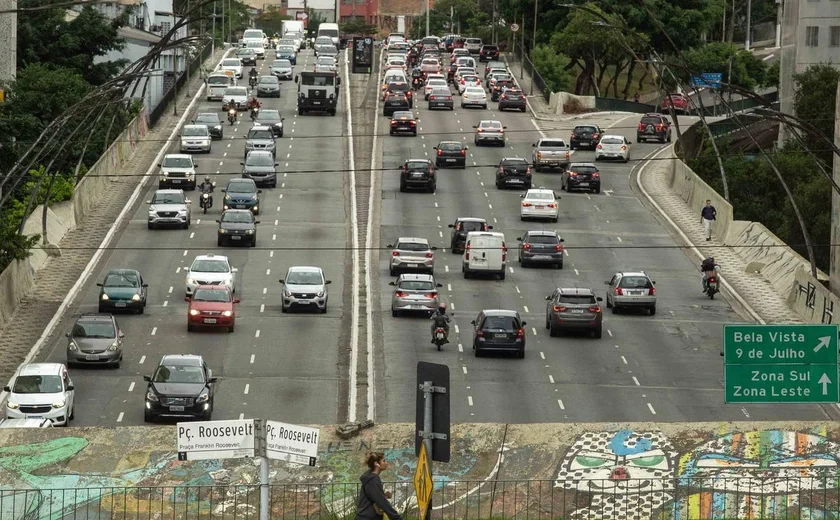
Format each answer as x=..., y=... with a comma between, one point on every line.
x=423, y=484
x=781, y=364
x=362, y=55
x=431, y=441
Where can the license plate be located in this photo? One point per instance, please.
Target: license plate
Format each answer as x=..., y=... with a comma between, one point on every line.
x=450, y=160
x=316, y=102
x=542, y=257
x=92, y=357
x=577, y=311
x=540, y=207
x=176, y=181
x=239, y=206
x=209, y=320
x=303, y=301
x=412, y=265
x=119, y=304
x=34, y=416
x=501, y=336
x=515, y=181
x=585, y=142
x=583, y=184
x=176, y=408
x=236, y=238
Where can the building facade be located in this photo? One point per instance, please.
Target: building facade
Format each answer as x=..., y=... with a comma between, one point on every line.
x=324, y=8
x=8, y=28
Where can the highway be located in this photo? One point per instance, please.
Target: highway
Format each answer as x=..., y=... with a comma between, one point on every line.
x=645, y=368
x=288, y=367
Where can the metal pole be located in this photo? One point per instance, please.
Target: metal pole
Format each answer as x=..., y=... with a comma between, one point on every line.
x=264, y=500
x=427, y=17
x=534, y=42
x=778, y=23
x=175, y=71
x=834, y=255
x=428, y=430
x=723, y=31
x=493, y=28
x=749, y=14
x=522, y=61
x=230, y=24
x=223, y=22
x=187, y=55
x=213, y=41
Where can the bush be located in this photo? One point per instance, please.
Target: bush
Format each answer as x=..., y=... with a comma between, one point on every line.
x=552, y=68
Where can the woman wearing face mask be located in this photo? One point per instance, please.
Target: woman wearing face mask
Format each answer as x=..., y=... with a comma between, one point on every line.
x=373, y=499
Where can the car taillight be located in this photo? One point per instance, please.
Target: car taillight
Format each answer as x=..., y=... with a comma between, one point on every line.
x=440, y=152
x=463, y=152
x=504, y=96
x=623, y=148
x=596, y=175
x=652, y=290
x=400, y=294
x=559, y=247
x=600, y=147
x=520, y=333
x=595, y=309
x=431, y=295
x=479, y=333
x=659, y=127
x=408, y=93
x=572, y=136
x=568, y=155
x=572, y=174
x=558, y=308
x=552, y=205
x=539, y=155
x=430, y=255
x=462, y=82
x=467, y=253
x=393, y=122
x=618, y=291
x=641, y=126
x=524, y=96
x=449, y=98
x=395, y=253
x=414, y=122
x=458, y=227
x=526, y=204
x=712, y=279
x=528, y=170
x=595, y=135
x=480, y=130
x=504, y=252
x=526, y=246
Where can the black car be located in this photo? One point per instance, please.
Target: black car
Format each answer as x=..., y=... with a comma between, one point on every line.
x=451, y=154
x=395, y=101
x=499, y=87
x=271, y=118
x=499, y=330
x=513, y=98
x=237, y=226
x=212, y=122
x=585, y=136
x=581, y=176
x=573, y=309
x=541, y=247
x=462, y=226
x=654, y=126
x=441, y=97
x=123, y=290
x=242, y=194
x=401, y=86
x=247, y=57
x=403, y=122
x=181, y=386
x=450, y=75
x=418, y=174
x=513, y=171
x=488, y=52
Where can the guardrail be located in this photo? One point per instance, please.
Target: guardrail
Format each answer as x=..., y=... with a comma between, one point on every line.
x=735, y=493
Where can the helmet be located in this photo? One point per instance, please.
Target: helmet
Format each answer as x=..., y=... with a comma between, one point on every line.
x=710, y=260
x=207, y=178
x=442, y=307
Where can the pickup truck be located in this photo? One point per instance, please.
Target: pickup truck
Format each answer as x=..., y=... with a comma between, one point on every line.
x=551, y=153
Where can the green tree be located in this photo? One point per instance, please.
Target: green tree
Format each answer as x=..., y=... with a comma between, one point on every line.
x=314, y=20
x=553, y=68
x=814, y=101
x=271, y=20
x=748, y=71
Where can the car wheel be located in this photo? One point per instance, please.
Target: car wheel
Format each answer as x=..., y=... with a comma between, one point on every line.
x=538, y=169
x=281, y=134
x=615, y=309
x=597, y=333
x=522, y=353
x=395, y=313
x=552, y=331
x=190, y=328
x=187, y=224
x=148, y=417
x=141, y=310
x=219, y=242
x=652, y=310
x=324, y=310
x=547, y=323
x=502, y=275
x=597, y=158
x=284, y=309
x=467, y=274
x=150, y=225
x=560, y=265
x=669, y=137
x=609, y=304
x=522, y=109
x=598, y=189
x=231, y=328
x=402, y=188
x=254, y=243
x=101, y=309
x=478, y=352
x=208, y=415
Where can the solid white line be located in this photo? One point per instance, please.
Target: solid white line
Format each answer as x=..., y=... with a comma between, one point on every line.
x=636, y=381
x=354, y=226
x=650, y=407
x=371, y=373
x=247, y=388
x=252, y=358
x=120, y=417
x=142, y=359
x=131, y=387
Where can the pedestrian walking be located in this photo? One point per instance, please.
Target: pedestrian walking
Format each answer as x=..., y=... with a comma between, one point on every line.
x=373, y=499
x=707, y=216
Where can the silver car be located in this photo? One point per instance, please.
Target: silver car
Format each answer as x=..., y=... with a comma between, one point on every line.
x=260, y=138
x=412, y=254
x=415, y=293
x=489, y=132
x=631, y=290
x=268, y=86
x=235, y=97
x=95, y=339
x=260, y=167
x=196, y=138
x=170, y=208
x=305, y=286
x=283, y=69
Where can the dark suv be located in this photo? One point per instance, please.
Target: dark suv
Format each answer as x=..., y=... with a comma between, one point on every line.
x=513, y=171
x=395, y=101
x=573, y=309
x=541, y=247
x=418, y=173
x=654, y=126
x=513, y=98
x=496, y=330
x=585, y=135
x=488, y=52
x=242, y=194
x=462, y=226
x=181, y=386
x=451, y=153
x=401, y=86
x=581, y=176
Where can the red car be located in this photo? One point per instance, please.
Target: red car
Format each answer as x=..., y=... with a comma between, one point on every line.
x=680, y=102
x=211, y=306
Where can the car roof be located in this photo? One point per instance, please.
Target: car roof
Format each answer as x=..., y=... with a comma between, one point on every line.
x=305, y=269
x=95, y=316
x=214, y=114
x=578, y=164
x=493, y=121
x=513, y=159
x=542, y=233
x=632, y=273
x=416, y=277
x=241, y=181
x=257, y=153
x=539, y=190
x=211, y=256
x=451, y=142
x=39, y=369
x=169, y=191
x=124, y=271
x=248, y=211
x=402, y=113
x=579, y=291
x=471, y=219
x=178, y=155
x=413, y=240
x=500, y=312
x=612, y=136
x=181, y=359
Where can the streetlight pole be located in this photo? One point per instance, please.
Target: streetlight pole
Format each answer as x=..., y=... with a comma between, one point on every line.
x=213, y=41
x=175, y=68
x=749, y=14
x=427, y=18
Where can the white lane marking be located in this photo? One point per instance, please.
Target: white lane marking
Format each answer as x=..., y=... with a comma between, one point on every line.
x=619, y=238
x=526, y=309
x=440, y=233
x=131, y=387
x=165, y=303
x=457, y=330
x=241, y=416
x=267, y=272
x=511, y=270
x=566, y=252
x=517, y=289
x=252, y=358
x=185, y=252
x=560, y=403
x=281, y=195
x=262, y=307
x=273, y=237
x=534, y=330
x=120, y=416
x=247, y=388
x=449, y=287
x=461, y=349
x=452, y=306
x=154, y=331
x=469, y=400
x=609, y=332
x=192, y=234
x=276, y=222
x=354, y=225
x=636, y=381
x=271, y=254
x=650, y=407
x=534, y=122
x=199, y=220
x=170, y=289
x=542, y=355
x=265, y=290
x=624, y=359
x=491, y=206
x=142, y=359
x=436, y=204
x=551, y=378
x=446, y=268
x=577, y=272
x=257, y=334
x=178, y=270
x=464, y=368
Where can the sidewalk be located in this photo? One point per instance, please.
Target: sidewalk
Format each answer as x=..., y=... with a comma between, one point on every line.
x=55, y=279
x=653, y=179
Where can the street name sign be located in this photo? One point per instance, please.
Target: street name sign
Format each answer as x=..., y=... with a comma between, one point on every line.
x=291, y=443
x=423, y=484
x=215, y=440
x=781, y=363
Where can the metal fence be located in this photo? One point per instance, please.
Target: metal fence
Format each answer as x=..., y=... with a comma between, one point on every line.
x=536, y=78
x=194, y=67
x=755, y=494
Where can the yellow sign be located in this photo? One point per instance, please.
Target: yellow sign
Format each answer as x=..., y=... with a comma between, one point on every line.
x=423, y=484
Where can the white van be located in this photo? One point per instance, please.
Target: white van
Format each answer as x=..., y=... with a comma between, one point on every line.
x=254, y=35
x=331, y=30
x=217, y=83
x=485, y=253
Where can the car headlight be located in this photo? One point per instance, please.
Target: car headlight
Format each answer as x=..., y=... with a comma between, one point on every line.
x=254, y=196
x=191, y=281
x=105, y=297
x=150, y=396
x=114, y=346
x=182, y=211
x=218, y=127
x=222, y=231
x=227, y=282
x=321, y=294
x=59, y=404
x=227, y=197
x=71, y=345
x=164, y=174
x=194, y=312
x=287, y=294
x=250, y=231
x=13, y=406
x=203, y=397
x=135, y=298
x=227, y=313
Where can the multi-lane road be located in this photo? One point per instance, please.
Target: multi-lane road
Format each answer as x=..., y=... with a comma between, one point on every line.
x=296, y=367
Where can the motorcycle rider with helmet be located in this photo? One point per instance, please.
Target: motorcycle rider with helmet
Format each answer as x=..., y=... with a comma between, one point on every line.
x=207, y=187
x=252, y=77
x=708, y=268
x=254, y=103
x=440, y=319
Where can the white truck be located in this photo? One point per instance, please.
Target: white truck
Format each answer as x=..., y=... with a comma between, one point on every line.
x=401, y=24
x=294, y=26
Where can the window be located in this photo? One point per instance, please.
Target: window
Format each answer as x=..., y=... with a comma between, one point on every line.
x=165, y=27
x=834, y=36
x=812, y=36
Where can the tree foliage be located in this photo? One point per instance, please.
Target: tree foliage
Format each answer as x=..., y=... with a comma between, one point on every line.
x=553, y=68
x=359, y=27
x=748, y=71
x=814, y=100
x=271, y=20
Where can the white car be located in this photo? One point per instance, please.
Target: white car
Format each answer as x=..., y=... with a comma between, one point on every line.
x=41, y=391
x=326, y=61
x=613, y=147
x=433, y=84
x=235, y=97
x=196, y=138
x=210, y=270
x=474, y=96
x=233, y=65
x=468, y=80
x=539, y=203
x=435, y=76
x=395, y=62
x=177, y=171
x=258, y=48
x=462, y=71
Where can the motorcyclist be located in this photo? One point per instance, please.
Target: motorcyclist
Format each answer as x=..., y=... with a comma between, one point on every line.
x=207, y=187
x=708, y=268
x=233, y=114
x=254, y=105
x=252, y=76
x=440, y=319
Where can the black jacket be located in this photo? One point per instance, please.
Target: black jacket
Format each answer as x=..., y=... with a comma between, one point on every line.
x=373, y=492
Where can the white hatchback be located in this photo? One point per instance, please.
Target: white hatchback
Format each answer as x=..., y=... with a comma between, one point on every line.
x=474, y=96
x=41, y=391
x=539, y=203
x=468, y=80
x=613, y=147
x=210, y=270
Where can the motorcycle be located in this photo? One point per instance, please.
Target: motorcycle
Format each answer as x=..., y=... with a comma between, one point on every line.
x=416, y=83
x=254, y=112
x=440, y=337
x=712, y=285
x=252, y=81
x=232, y=115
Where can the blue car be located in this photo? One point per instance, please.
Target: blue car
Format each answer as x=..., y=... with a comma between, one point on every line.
x=242, y=194
x=287, y=54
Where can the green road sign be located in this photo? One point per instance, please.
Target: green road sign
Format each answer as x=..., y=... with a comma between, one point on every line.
x=781, y=363
x=782, y=383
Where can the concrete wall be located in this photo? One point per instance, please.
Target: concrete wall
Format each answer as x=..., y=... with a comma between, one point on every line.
x=558, y=99
x=18, y=278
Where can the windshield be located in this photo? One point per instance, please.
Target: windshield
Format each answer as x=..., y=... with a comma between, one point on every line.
x=472, y=226
x=578, y=299
x=236, y=91
x=491, y=124
x=412, y=246
x=437, y=83
x=553, y=144
x=441, y=92
x=417, y=165
x=474, y=90
x=260, y=134
x=514, y=162
x=287, y=41
x=499, y=323
x=245, y=52
x=121, y=280
x=255, y=159
x=332, y=33
x=286, y=49
x=282, y=64
x=219, y=80
x=635, y=282
x=94, y=329
x=430, y=62
x=268, y=79
x=317, y=81
x=417, y=286
x=231, y=63
x=540, y=196
x=47, y=384
x=241, y=217
x=194, y=130
x=209, y=266
x=398, y=87
x=326, y=60
x=584, y=169
x=611, y=140
x=450, y=146
x=542, y=239
x=473, y=40
x=242, y=187
x=252, y=33
x=177, y=162
x=255, y=45
x=178, y=374
x=207, y=118
x=211, y=295
x=268, y=115
x=304, y=278
x=470, y=77
x=585, y=129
